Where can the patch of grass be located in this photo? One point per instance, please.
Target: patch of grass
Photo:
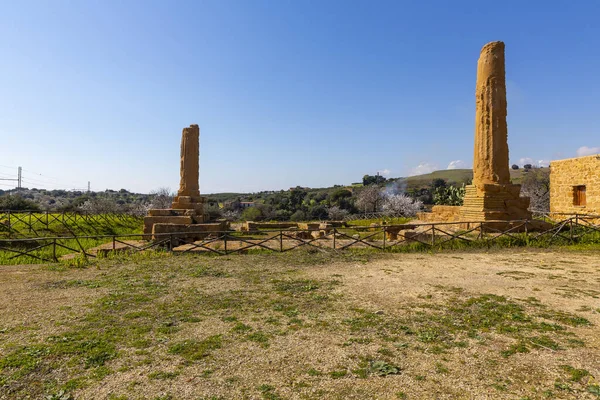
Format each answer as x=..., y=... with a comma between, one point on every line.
x=268, y=392
x=162, y=375
x=382, y=368
x=594, y=389
x=259, y=337
x=193, y=350
x=575, y=374
x=337, y=374
x=241, y=328
x=441, y=368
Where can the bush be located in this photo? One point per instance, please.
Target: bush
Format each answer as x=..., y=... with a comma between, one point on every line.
x=251, y=214
x=17, y=203
x=449, y=196
x=298, y=216
x=515, y=166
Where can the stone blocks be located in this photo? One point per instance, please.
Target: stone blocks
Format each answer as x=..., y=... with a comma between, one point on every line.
x=492, y=202
x=190, y=232
x=565, y=175
x=171, y=219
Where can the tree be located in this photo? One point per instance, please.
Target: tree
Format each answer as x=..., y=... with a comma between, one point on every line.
x=162, y=198
x=401, y=205
x=298, y=216
x=251, y=214
x=296, y=198
x=17, y=203
x=527, y=167
x=336, y=213
x=369, y=199
x=318, y=212
x=515, y=166
x=373, y=179
x=437, y=183
x=536, y=186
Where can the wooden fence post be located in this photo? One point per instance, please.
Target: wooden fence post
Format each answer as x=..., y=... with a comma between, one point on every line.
x=281, y=241
x=334, y=236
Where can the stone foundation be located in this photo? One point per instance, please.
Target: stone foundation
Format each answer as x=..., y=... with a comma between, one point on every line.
x=192, y=232
x=251, y=226
x=494, y=202
x=440, y=214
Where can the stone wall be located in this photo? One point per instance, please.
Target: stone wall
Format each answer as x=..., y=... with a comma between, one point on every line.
x=440, y=214
x=565, y=175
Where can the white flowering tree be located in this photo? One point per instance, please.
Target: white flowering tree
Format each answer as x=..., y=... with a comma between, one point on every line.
x=401, y=205
x=336, y=213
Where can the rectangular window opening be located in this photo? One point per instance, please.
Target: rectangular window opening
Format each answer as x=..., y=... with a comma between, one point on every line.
x=579, y=195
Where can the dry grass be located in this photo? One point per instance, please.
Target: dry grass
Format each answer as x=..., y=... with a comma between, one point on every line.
x=302, y=325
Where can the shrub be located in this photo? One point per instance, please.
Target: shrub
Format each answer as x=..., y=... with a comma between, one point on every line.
x=298, y=216
x=17, y=203
x=251, y=214
x=449, y=196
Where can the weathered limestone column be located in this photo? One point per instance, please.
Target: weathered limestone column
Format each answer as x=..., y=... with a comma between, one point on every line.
x=492, y=196
x=490, y=163
x=189, y=166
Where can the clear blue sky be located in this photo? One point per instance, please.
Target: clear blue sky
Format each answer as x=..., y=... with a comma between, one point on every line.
x=286, y=93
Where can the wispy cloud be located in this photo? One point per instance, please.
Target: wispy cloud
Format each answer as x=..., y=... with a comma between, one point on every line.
x=384, y=172
x=587, y=151
x=535, y=163
x=457, y=164
x=424, y=168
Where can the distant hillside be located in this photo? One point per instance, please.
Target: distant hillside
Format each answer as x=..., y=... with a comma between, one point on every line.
x=454, y=177
x=451, y=176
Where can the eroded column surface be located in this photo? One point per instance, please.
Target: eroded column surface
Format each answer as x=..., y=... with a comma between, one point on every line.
x=189, y=167
x=490, y=163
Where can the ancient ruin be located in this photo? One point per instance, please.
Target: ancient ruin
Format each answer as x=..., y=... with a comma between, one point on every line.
x=186, y=214
x=492, y=196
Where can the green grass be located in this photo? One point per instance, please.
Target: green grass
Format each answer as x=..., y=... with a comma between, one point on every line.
x=39, y=225
x=95, y=225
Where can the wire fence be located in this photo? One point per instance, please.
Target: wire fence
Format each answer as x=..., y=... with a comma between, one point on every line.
x=417, y=236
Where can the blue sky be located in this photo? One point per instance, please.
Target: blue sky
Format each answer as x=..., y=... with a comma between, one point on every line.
x=286, y=93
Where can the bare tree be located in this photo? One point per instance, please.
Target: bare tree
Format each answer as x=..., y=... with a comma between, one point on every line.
x=162, y=198
x=536, y=186
x=100, y=206
x=400, y=204
x=369, y=199
x=336, y=213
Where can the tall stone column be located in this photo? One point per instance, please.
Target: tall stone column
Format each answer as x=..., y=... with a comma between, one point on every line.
x=492, y=196
x=188, y=206
x=188, y=199
x=189, y=164
x=490, y=163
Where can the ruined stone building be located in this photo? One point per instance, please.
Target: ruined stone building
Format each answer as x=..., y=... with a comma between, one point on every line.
x=575, y=185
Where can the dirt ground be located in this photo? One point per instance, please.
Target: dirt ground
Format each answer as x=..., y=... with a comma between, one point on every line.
x=509, y=324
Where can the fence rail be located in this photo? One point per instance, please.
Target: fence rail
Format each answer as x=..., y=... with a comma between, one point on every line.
x=32, y=224
x=384, y=238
